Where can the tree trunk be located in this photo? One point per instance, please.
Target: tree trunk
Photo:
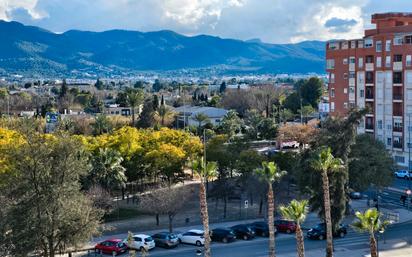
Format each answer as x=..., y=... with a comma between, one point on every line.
x=225, y=206
x=300, y=241
x=271, y=208
x=170, y=223
x=205, y=218
x=157, y=220
x=373, y=246
x=328, y=219
x=51, y=247
x=133, y=117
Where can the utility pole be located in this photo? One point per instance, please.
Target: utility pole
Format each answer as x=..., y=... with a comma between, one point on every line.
x=409, y=150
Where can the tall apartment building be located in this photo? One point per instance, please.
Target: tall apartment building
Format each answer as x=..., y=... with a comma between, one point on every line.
x=376, y=72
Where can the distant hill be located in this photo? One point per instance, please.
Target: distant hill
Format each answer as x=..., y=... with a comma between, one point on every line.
x=28, y=49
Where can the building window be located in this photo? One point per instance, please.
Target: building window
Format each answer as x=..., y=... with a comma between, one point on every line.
x=362, y=93
x=369, y=77
x=408, y=40
x=352, y=75
x=345, y=61
x=397, y=77
x=360, y=44
x=345, y=75
x=388, y=62
x=397, y=126
x=399, y=159
x=330, y=64
x=351, y=90
x=378, y=62
x=378, y=46
x=352, y=60
x=345, y=105
x=345, y=45
x=368, y=43
x=345, y=90
x=360, y=63
x=353, y=44
x=397, y=41
x=389, y=127
x=333, y=45
x=388, y=46
x=408, y=60
x=369, y=59
x=332, y=78
x=397, y=58
x=397, y=142
x=389, y=141
x=332, y=92
x=332, y=106
x=380, y=123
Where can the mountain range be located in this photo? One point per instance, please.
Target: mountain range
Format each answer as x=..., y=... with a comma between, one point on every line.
x=33, y=50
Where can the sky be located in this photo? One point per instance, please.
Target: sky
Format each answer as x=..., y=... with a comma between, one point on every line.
x=272, y=21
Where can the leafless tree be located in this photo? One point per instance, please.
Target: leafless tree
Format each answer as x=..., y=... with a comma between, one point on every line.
x=168, y=201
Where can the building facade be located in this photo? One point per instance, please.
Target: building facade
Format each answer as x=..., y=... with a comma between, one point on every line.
x=376, y=72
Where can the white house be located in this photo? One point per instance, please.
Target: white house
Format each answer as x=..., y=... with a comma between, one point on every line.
x=187, y=114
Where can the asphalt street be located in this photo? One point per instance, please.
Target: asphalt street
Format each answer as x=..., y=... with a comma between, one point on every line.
x=286, y=244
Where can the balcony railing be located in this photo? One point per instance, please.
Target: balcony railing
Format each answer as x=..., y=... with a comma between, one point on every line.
x=369, y=96
x=369, y=126
x=397, y=145
x=397, y=97
x=397, y=129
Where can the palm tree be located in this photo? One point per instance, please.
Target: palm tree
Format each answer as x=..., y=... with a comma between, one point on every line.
x=200, y=118
x=107, y=169
x=163, y=113
x=296, y=211
x=270, y=173
x=134, y=98
x=324, y=163
x=205, y=172
x=370, y=221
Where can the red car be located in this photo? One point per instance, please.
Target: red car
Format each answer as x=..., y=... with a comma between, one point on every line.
x=286, y=226
x=111, y=246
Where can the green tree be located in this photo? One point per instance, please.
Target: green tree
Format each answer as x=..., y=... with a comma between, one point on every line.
x=45, y=190
x=102, y=125
x=306, y=111
x=205, y=171
x=134, y=99
x=311, y=91
x=231, y=124
x=296, y=211
x=324, y=163
x=107, y=170
x=252, y=123
x=370, y=221
x=369, y=164
x=292, y=102
x=147, y=116
x=99, y=84
x=270, y=173
x=268, y=129
x=164, y=113
x=200, y=118
x=222, y=87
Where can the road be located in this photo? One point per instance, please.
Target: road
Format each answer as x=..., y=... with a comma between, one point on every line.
x=284, y=244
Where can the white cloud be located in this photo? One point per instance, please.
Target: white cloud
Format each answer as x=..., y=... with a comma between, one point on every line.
x=270, y=20
x=6, y=6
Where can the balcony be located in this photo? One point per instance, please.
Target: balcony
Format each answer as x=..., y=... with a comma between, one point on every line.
x=397, y=66
x=369, y=66
x=369, y=126
x=397, y=145
x=369, y=96
x=397, y=129
x=397, y=97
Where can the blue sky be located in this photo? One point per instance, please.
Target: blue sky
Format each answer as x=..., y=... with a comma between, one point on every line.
x=274, y=21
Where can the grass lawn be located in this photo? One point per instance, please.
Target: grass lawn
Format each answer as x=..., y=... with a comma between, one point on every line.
x=122, y=214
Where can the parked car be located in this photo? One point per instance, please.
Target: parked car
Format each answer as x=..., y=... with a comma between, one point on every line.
x=165, y=239
x=319, y=232
x=140, y=242
x=222, y=235
x=111, y=246
x=194, y=237
x=286, y=226
x=261, y=228
x=403, y=174
x=243, y=231
x=355, y=195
